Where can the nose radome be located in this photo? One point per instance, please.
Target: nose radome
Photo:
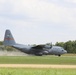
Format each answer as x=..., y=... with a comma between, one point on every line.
x=65, y=51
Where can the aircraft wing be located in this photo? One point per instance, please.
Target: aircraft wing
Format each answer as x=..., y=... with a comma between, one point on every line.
x=38, y=47
x=39, y=50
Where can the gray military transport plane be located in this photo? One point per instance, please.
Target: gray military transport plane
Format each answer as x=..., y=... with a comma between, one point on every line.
x=38, y=50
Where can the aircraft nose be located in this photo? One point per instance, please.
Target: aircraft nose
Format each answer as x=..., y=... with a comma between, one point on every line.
x=65, y=51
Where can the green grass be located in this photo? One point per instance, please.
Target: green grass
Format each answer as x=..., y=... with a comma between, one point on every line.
x=24, y=71
x=69, y=60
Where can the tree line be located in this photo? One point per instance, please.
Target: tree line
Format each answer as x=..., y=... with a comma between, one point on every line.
x=70, y=46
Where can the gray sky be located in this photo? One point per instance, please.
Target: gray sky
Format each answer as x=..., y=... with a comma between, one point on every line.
x=38, y=21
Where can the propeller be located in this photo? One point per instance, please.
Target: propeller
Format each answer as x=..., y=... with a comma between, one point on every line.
x=48, y=45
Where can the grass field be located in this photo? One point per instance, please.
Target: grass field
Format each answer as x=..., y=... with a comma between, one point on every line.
x=68, y=60
x=24, y=71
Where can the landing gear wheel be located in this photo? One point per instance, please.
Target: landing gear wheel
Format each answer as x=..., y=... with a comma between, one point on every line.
x=59, y=55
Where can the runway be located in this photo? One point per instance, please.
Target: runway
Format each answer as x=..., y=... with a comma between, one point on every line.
x=35, y=66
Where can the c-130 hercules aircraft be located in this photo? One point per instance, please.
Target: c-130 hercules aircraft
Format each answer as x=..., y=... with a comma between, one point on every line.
x=37, y=50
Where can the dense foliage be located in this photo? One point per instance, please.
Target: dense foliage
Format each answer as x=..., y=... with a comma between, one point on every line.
x=1, y=42
x=70, y=46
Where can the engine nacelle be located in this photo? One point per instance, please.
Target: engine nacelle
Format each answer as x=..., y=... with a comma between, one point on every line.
x=48, y=46
x=39, y=54
x=45, y=52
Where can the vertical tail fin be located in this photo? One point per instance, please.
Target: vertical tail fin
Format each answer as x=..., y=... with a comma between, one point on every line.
x=8, y=39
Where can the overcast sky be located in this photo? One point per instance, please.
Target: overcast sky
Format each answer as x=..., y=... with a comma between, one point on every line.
x=38, y=21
